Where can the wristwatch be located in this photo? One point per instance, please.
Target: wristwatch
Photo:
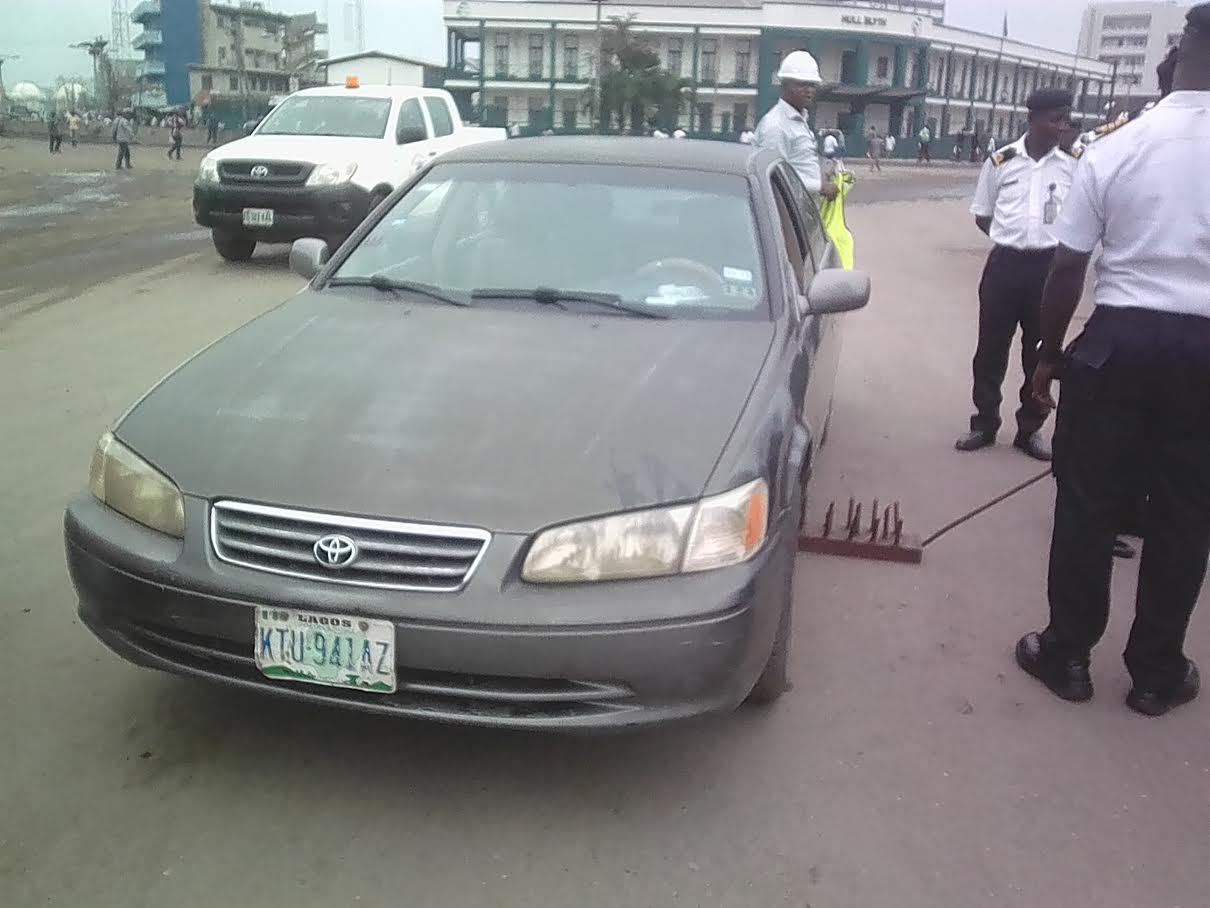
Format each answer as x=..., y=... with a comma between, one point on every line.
x=1052, y=357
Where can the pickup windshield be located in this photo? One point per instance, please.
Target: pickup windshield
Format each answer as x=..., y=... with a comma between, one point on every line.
x=328, y=115
x=586, y=238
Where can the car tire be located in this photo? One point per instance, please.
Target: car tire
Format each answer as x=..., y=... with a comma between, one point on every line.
x=234, y=247
x=774, y=680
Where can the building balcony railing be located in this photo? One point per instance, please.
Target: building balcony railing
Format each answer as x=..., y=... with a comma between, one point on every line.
x=145, y=10
x=150, y=69
x=149, y=37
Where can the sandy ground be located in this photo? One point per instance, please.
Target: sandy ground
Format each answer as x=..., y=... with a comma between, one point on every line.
x=912, y=766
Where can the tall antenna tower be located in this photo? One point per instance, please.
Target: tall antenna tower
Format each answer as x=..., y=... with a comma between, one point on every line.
x=355, y=24
x=119, y=38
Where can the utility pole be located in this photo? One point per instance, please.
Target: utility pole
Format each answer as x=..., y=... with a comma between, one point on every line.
x=596, y=73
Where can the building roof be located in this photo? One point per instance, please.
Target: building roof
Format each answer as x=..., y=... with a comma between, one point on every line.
x=248, y=12
x=711, y=157
x=373, y=54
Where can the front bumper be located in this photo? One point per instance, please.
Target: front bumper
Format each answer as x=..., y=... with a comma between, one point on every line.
x=173, y=606
x=298, y=211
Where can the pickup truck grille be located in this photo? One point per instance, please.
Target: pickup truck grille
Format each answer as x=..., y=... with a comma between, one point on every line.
x=278, y=173
x=384, y=553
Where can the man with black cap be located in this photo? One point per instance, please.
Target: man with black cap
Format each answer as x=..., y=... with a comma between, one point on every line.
x=1135, y=390
x=1021, y=190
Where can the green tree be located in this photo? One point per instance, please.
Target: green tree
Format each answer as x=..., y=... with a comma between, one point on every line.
x=634, y=88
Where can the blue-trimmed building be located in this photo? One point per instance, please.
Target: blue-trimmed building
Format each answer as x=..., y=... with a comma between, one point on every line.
x=170, y=41
x=892, y=65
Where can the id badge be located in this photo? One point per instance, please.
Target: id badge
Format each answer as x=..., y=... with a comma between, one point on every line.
x=1050, y=211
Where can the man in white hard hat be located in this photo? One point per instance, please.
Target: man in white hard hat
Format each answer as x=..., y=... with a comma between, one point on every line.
x=785, y=129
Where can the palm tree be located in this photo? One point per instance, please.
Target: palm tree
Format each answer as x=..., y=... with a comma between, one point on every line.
x=634, y=87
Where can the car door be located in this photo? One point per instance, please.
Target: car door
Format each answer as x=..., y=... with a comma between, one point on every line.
x=413, y=138
x=824, y=330
x=443, y=124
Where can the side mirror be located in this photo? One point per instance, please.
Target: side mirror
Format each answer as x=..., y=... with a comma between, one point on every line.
x=308, y=256
x=406, y=135
x=837, y=290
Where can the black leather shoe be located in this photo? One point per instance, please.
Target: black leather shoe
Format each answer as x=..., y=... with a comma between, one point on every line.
x=1156, y=703
x=1066, y=678
x=973, y=441
x=1033, y=445
x=1122, y=549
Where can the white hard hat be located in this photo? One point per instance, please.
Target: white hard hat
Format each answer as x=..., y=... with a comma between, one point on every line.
x=799, y=66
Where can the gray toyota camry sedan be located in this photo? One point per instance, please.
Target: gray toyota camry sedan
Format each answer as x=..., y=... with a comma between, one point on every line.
x=530, y=450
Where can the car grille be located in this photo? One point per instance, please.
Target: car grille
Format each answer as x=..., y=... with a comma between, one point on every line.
x=444, y=696
x=387, y=554
x=281, y=173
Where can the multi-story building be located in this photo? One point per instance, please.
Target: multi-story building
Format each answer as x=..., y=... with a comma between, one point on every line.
x=533, y=62
x=1134, y=37
x=230, y=57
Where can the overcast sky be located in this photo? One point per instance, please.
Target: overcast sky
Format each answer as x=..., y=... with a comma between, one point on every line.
x=40, y=30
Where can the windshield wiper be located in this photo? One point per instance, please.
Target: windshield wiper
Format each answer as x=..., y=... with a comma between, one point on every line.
x=549, y=296
x=391, y=285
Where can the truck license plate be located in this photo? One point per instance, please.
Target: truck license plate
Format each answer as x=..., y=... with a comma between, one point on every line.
x=335, y=650
x=258, y=217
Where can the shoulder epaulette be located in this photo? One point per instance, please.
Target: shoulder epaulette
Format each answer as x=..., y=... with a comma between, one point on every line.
x=1004, y=154
x=1123, y=119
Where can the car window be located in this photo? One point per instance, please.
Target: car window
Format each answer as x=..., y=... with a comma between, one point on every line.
x=439, y=113
x=808, y=212
x=791, y=231
x=410, y=118
x=328, y=115
x=682, y=243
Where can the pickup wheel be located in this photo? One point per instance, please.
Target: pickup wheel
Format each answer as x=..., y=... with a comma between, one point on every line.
x=234, y=247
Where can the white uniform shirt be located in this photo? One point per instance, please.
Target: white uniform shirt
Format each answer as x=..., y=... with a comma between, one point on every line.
x=1017, y=193
x=1143, y=193
x=786, y=131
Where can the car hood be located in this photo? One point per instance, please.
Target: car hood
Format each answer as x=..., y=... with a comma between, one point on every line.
x=304, y=149
x=500, y=418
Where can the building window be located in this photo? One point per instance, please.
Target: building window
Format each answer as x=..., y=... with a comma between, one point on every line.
x=571, y=57
x=709, y=60
x=741, y=117
x=500, y=102
x=501, y=57
x=536, y=111
x=222, y=55
x=705, y=118
x=220, y=21
x=235, y=83
x=882, y=68
x=676, y=51
x=1126, y=23
x=571, y=108
x=207, y=83
x=743, y=62
x=537, y=44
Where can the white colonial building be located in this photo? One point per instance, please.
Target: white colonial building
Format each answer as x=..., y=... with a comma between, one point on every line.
x=533, y=64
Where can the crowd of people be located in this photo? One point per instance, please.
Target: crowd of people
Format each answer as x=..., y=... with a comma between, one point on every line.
x=125, y=128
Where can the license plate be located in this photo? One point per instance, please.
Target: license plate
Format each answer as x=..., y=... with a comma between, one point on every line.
x=334, y=650
x=258, y=217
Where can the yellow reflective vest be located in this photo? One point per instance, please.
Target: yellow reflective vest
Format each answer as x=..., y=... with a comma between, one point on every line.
x=831, y=212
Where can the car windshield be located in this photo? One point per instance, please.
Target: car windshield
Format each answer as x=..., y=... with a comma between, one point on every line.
x=674, y=243
x=328, y=115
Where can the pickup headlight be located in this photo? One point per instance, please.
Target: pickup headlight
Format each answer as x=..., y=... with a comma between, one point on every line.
x=208, y=172
x=715, y=532
x=122, y=480
x=331, y=174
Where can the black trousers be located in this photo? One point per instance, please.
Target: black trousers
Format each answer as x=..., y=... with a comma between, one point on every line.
x=176, y=147
x=1010, y=297
x=123, y=155
x=1134, y=413
x=56, y=143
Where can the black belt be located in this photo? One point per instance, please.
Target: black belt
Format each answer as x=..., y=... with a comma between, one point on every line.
x=1024, y=253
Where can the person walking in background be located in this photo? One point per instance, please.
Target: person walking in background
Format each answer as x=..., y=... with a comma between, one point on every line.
x=177, y=135
x=1135, y=391
x=54, y=127
x=890, y=144
x=124, y=135
x=874, y=150
x=211, y=128
x=1017, y=202
x=924, y=154
x=73, y=128
x=785, y=130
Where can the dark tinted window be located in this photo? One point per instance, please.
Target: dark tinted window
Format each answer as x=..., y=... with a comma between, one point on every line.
x=410, y=118
x=439, y=113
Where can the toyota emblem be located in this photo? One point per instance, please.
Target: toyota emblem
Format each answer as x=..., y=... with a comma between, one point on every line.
x=260, y=171
x=335, y=551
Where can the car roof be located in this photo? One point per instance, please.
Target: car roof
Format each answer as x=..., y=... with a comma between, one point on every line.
x=674, y=154
x=371, y=91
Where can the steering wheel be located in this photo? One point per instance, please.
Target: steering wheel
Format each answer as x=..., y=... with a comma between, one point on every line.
x=684, y=266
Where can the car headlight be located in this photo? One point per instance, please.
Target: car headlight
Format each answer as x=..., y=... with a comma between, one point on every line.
x=713, y=533
x=122, y=480
x=331, y=174
x=208, y=172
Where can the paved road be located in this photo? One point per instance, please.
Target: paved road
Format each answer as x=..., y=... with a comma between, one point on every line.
x=911, y=766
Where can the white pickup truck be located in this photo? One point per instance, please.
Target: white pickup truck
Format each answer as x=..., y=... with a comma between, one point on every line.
x=321, y=160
